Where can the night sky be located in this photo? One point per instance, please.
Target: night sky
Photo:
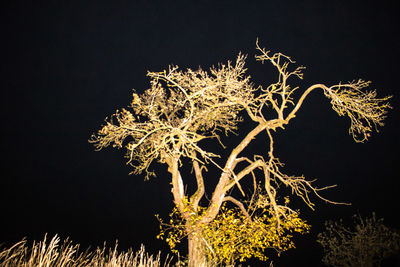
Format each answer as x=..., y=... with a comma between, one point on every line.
x=67, y=65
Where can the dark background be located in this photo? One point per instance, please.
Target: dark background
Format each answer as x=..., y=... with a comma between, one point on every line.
x=66, y=65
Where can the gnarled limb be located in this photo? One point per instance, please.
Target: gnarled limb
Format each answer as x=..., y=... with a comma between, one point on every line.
x=224, y=180
x=249, y=169
x=196, y=197
x=177, y=185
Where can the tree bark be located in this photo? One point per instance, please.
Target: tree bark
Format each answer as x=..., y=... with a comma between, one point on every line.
x=197, y=255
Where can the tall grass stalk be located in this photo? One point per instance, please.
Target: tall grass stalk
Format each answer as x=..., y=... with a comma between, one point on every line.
x=52, y=254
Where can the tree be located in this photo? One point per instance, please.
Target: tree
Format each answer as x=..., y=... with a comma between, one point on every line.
x=170, y=121
x=365, y=243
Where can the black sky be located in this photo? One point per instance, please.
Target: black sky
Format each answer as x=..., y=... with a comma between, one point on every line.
x=66, y=65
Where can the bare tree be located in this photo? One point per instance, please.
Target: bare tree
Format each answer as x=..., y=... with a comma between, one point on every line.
x=364, y=243
x=169, y=121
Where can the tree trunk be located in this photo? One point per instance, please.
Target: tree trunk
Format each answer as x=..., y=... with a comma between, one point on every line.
x=197, y=254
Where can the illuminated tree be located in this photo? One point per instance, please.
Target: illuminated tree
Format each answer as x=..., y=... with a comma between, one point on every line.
x=365, y=243
x=170, y=121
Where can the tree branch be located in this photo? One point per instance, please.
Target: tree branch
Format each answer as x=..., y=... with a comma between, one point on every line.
x=239, y=204
x=292, y=114
x=196, y=197
x=249, y=169
x=177, y=184
x=220, y=190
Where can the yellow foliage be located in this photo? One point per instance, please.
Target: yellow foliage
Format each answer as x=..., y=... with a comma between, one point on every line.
x=231, y=236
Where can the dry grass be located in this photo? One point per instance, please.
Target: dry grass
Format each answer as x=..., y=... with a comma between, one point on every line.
x=57, y=253
x=49, y=253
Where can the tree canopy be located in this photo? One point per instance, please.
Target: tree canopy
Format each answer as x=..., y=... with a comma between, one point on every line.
x=184, y=107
